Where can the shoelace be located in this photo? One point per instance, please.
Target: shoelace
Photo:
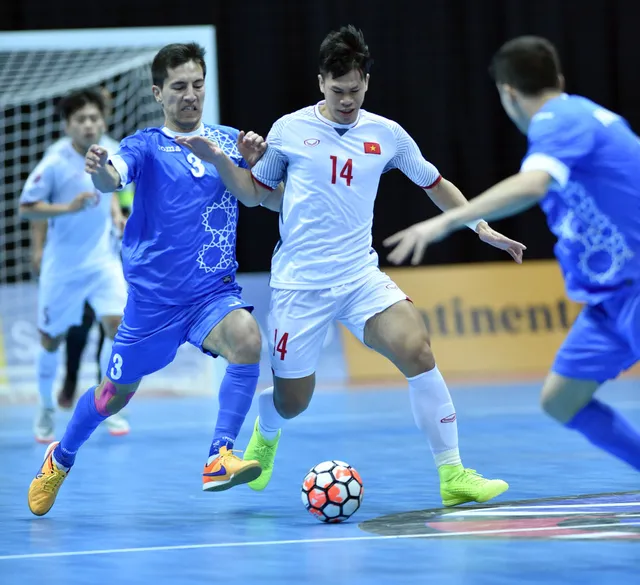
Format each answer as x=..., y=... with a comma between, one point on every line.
x=52, y=481
x=472, y=476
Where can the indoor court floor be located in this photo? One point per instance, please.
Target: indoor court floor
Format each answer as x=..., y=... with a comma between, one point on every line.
x=132, y=510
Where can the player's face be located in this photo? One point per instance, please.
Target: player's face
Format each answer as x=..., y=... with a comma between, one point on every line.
x=182, y=97
x=510, y=103
x=343, y=95
x=85, y=127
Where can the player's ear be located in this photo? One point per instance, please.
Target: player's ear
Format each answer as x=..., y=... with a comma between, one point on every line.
x=321, y=82
x=157, y=93
x=366, y=82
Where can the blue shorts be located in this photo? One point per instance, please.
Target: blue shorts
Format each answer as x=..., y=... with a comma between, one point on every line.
x=604, y=340
x=150, y=334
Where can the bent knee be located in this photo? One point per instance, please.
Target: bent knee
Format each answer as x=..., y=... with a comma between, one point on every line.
x=292, y=397
x=415, y=357
x=563, y=398
x=247, y=345
x=112, y=398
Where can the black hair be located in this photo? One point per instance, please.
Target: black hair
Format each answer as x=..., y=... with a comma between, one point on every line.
x=73, y=102
x=174, y=55
x=529, y=64
x=344, y=50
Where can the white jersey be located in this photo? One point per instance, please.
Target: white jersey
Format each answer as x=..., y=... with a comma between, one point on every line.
x=77, y=243
x=331, y=173
x=106, y=141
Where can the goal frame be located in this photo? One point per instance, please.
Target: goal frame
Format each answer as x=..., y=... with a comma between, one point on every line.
x=100, y=38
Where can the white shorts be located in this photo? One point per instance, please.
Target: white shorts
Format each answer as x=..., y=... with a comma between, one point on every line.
x=61, y=303
x=299, y=319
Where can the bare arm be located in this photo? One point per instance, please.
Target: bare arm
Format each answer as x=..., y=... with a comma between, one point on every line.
x=507, y=198
x=41, y=210
x=38, y=237
x=274, y=199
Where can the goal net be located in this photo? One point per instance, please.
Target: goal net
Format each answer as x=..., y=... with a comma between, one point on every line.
x=33, y=80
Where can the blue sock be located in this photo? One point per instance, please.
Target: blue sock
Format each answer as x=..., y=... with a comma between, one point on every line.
x=607, y=429
x=84, y=421
x=235, y=397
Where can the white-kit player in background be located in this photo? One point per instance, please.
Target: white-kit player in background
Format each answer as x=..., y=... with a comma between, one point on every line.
x=331, y=157
x=79, y=263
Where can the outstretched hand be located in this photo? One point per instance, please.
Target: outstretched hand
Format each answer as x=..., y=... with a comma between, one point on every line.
x=204, y=148
x=497, y=240
x=415, y=239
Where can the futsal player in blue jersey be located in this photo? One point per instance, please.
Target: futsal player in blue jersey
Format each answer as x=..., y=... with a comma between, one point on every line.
x=583, y=168
x=179, y=261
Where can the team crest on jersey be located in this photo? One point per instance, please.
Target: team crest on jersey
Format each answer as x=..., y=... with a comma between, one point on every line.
x=312, y=142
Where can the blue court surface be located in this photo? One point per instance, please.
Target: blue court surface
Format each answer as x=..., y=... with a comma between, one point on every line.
x=132, y=510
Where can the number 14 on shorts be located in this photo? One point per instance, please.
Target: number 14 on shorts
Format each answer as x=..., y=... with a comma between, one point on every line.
x=280, y=345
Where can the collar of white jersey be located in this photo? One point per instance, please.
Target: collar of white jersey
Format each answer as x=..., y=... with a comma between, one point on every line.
x=331, y=122
x=199, y=131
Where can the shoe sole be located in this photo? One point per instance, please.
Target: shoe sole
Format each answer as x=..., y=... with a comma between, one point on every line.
x=481, y=500
x=244, y=476
x=45, y=440
x=119, y=433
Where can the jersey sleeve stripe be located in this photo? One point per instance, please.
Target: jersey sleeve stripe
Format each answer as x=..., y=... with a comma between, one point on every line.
x=543, y=162
x=262, y=184
x=122, y=168
x=436, y=182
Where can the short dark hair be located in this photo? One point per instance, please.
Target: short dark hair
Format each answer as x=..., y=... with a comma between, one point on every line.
x=344, y=50
x=529, y=64
x=174, y=55
x=73, y=102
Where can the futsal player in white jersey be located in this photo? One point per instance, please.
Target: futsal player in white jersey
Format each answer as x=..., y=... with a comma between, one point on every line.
x=77, y=336
x=79, y=263
x=331, y=157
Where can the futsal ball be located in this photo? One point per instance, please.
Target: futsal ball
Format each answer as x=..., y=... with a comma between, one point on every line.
x=332, y=491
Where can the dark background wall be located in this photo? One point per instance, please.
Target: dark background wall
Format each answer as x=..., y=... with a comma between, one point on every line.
x=430, y=75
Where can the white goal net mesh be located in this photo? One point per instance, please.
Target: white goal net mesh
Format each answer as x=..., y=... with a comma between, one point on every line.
x=32, y=83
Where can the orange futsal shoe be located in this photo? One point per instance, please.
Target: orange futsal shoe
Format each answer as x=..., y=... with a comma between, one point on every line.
x=225, y=470
x=46, y=484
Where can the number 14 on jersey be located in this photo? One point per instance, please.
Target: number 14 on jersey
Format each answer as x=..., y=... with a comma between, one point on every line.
x=346, y=172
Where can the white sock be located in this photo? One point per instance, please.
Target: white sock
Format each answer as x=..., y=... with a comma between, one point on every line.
x=105, y=355
x=46, y=368
x=269, y=421
x=435, y=415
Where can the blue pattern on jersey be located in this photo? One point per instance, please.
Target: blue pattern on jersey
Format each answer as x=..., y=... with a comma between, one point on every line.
x=596, y=215
x=179, y=242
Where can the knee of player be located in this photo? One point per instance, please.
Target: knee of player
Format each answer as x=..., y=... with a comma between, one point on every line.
x=111, y=398
x=289, y=405
x=417, y=352
x=247, y=347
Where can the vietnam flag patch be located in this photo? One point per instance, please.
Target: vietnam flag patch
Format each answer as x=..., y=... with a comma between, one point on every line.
x=372, y=148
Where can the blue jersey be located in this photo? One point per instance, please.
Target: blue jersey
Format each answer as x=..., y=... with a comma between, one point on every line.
x=179, y=243
x=593, y=206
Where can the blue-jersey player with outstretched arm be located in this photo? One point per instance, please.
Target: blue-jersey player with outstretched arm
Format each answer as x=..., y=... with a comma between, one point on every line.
x=583, y=168
x=179, y=261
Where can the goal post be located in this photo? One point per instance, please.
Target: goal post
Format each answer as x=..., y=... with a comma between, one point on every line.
x=37, y=68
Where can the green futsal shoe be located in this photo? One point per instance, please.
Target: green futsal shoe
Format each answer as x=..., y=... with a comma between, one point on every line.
x=459, y=486
x=264, y=451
